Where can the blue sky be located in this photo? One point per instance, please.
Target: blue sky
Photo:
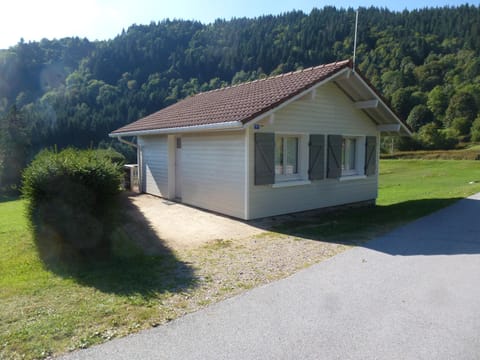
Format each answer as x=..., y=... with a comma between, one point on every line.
x=103, y=19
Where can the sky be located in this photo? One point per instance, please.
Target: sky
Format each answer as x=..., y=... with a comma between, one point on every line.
x=34, y=20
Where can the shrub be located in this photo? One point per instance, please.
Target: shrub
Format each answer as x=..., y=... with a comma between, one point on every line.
x=406, y=143
x=112, y=154
x=462, y=125
x=475, y=130
x=419, y=116
x=72, y=200
x=431, y=137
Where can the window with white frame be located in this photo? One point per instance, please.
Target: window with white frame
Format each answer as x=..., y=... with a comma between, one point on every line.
x=287, y=156
x=353, y=156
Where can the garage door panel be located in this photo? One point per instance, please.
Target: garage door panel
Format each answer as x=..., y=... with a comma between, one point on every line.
x=155, y=166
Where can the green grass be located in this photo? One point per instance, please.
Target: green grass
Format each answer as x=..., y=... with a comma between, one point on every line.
x=408, y=189
x=408, y=180
x=47, y=309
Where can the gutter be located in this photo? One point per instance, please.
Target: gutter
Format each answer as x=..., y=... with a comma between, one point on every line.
x=230, y=125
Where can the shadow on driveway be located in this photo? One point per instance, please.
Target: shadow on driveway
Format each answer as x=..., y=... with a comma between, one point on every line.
x=435, y=234
x=451, y=231
x=140, y=263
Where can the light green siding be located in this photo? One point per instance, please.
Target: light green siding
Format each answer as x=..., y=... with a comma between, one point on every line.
x=214, y=165
x=329, y=112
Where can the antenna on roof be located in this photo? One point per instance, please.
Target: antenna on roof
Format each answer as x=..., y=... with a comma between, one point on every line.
x=355, y=39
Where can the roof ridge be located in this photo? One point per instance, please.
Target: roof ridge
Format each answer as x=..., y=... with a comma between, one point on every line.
x=321, y=66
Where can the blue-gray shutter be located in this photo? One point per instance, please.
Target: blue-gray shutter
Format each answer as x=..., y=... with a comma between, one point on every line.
x=264, y=158
x=334, y=156
x=316, y=166
x=371, y=155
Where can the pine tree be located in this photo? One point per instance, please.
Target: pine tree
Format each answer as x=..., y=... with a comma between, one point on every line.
x=14, y=147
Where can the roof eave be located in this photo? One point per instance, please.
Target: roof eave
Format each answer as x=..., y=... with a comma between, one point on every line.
x=394, y=119
x=404, y=130
x=391, y=119
x=230, y=125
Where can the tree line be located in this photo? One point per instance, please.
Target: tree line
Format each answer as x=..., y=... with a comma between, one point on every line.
x=73, y=92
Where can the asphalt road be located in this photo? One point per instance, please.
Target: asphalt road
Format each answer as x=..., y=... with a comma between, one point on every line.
x=411, y=294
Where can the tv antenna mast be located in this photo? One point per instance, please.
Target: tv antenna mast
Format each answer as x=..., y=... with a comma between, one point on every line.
x=355, y=39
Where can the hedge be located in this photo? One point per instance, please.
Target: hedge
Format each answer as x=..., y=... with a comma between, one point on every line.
x=73, y=198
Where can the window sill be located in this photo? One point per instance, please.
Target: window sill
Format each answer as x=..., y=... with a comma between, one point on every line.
x=352, y=177
x=291, y=183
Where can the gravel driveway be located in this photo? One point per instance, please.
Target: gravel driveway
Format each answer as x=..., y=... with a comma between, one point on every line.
x=181, y=226
x=411, y=294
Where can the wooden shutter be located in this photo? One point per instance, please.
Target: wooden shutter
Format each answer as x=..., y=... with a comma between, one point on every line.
x=316, y=166
x=264, y=158
x=334, y=157
x=371, y=155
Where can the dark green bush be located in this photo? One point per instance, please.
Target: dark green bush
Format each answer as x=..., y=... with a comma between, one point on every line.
x=73, y=198
x=112, y=154
x=475, y=130
x=431, y=137
x=407, y=143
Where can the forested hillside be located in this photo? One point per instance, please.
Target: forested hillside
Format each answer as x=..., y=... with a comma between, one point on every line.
x=74, y=92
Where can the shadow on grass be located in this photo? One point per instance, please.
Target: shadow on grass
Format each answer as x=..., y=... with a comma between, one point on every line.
x=140, y=264
x=452, y=232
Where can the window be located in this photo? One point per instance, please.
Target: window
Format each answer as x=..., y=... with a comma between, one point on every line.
x=349, y=156
x=286, y=156
x=346, y=157
x=282, y=160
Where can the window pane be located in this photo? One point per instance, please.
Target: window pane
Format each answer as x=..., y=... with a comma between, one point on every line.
x=278, y=155
x=348, y=154
x=351, y=154
x=291, y=158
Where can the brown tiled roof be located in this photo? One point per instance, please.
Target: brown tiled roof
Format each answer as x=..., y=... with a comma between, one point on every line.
x=242, y=102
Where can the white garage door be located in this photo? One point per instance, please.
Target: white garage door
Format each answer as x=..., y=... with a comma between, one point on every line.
x=155, y=165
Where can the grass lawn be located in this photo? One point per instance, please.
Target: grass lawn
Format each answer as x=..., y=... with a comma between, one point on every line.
x=45, y=311
x=413, y=180
x=408, y=189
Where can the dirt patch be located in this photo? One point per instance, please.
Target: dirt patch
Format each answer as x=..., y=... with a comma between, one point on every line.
x=227, y=268
x=180, y=226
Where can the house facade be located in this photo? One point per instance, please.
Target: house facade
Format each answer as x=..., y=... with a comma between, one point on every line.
x=294, y=142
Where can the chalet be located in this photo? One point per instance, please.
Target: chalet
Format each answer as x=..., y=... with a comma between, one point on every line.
x=299, y=141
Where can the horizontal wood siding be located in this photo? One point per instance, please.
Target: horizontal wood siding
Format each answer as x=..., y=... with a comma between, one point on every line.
x=213, y=172
x=331, y=112
x=275, y=201
x=154, y=155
